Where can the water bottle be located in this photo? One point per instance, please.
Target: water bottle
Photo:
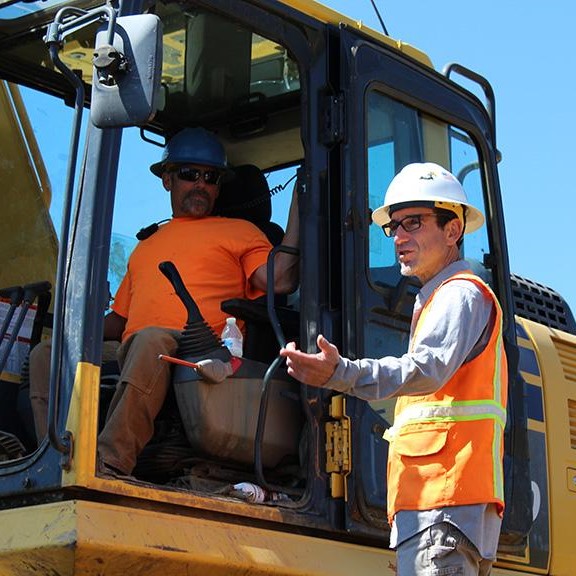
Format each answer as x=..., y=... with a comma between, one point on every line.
x=251, y=492
x=232, y=337
x=256, y=494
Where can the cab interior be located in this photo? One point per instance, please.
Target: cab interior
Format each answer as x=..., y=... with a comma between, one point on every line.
x=245, y=87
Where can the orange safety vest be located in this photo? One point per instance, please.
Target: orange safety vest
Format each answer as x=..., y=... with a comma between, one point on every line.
x=446, y=448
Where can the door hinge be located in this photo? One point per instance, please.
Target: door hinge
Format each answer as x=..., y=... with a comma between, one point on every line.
x=338, y=448
x=332, y=129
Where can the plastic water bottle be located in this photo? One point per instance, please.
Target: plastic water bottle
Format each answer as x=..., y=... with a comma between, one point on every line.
x=232, y=337
x=256, y=494
x=251, y=492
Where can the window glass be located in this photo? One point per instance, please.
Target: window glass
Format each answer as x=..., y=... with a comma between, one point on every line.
x=140, y=200
x=213, y=68
x=212, y=63
x=23, y=9
x=465, y=167
x=32, y=170
x=398, y=135
x=393, y=140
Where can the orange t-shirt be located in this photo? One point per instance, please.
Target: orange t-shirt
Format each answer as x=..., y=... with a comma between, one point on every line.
x=215, y=257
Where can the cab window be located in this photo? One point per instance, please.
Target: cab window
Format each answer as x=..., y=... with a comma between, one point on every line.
x=398, y=134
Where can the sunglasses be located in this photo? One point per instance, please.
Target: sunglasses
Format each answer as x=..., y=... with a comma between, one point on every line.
x=409, y=224
x=209, y=176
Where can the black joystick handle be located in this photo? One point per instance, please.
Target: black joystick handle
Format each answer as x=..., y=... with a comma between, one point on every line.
x=197, y=340
x=171, y=272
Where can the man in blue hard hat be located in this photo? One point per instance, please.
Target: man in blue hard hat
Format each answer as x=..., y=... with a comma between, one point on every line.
x=218, y=259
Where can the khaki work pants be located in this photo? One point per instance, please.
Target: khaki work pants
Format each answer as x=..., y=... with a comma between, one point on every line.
x=142, y=388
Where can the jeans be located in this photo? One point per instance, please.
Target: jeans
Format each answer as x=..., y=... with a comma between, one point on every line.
x=440, y=550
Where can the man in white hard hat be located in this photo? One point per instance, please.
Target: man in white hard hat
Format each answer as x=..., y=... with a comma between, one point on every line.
x=445, y=477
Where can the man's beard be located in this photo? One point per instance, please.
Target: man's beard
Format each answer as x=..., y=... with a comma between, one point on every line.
x=197, y=203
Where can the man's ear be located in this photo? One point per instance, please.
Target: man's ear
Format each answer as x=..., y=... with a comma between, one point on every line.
x=454, y=229
x=166, y=180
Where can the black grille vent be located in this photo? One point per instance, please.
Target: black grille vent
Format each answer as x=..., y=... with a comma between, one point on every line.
x=541, y=304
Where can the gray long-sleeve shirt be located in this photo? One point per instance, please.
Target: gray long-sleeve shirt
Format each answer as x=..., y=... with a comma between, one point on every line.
x=456, y=328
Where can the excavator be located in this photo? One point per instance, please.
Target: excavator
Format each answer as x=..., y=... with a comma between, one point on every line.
x=258, y=474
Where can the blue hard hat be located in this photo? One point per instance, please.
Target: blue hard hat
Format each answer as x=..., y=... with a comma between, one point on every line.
x=192, y=146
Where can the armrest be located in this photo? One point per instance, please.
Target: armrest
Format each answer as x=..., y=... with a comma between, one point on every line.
x=256, y=311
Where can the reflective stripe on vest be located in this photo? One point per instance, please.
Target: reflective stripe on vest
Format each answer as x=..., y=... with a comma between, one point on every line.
x=448, y=412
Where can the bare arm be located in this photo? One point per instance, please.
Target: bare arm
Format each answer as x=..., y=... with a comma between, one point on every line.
x=286, y=266
x=114, y=325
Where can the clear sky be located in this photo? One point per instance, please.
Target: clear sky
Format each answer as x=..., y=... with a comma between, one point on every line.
x=526, y=50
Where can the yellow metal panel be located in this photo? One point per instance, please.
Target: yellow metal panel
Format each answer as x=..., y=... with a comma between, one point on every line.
x=550, y=346
x=89, y=539
x=82, y=422
x=28, y=244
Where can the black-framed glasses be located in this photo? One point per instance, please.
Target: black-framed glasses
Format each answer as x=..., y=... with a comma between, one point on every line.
x=210, y=176
x=409, y=223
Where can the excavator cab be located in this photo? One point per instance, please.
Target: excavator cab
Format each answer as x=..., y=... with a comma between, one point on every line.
x=300, y=97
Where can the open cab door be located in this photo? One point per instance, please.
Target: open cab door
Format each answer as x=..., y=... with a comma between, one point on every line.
x=402, y=113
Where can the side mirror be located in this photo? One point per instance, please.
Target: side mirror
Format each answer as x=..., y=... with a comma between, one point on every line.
x=127, y=72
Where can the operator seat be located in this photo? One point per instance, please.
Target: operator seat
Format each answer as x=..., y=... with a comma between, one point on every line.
x=248, y=197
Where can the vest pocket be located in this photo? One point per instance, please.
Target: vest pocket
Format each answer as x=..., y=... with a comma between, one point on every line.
x=414, y=440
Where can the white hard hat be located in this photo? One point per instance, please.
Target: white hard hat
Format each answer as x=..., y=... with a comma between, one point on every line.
x=427, y=184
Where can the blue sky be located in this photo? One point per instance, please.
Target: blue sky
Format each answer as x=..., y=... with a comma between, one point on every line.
x=526, y=50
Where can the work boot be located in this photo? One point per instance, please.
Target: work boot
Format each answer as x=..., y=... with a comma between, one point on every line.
x=104, y=470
